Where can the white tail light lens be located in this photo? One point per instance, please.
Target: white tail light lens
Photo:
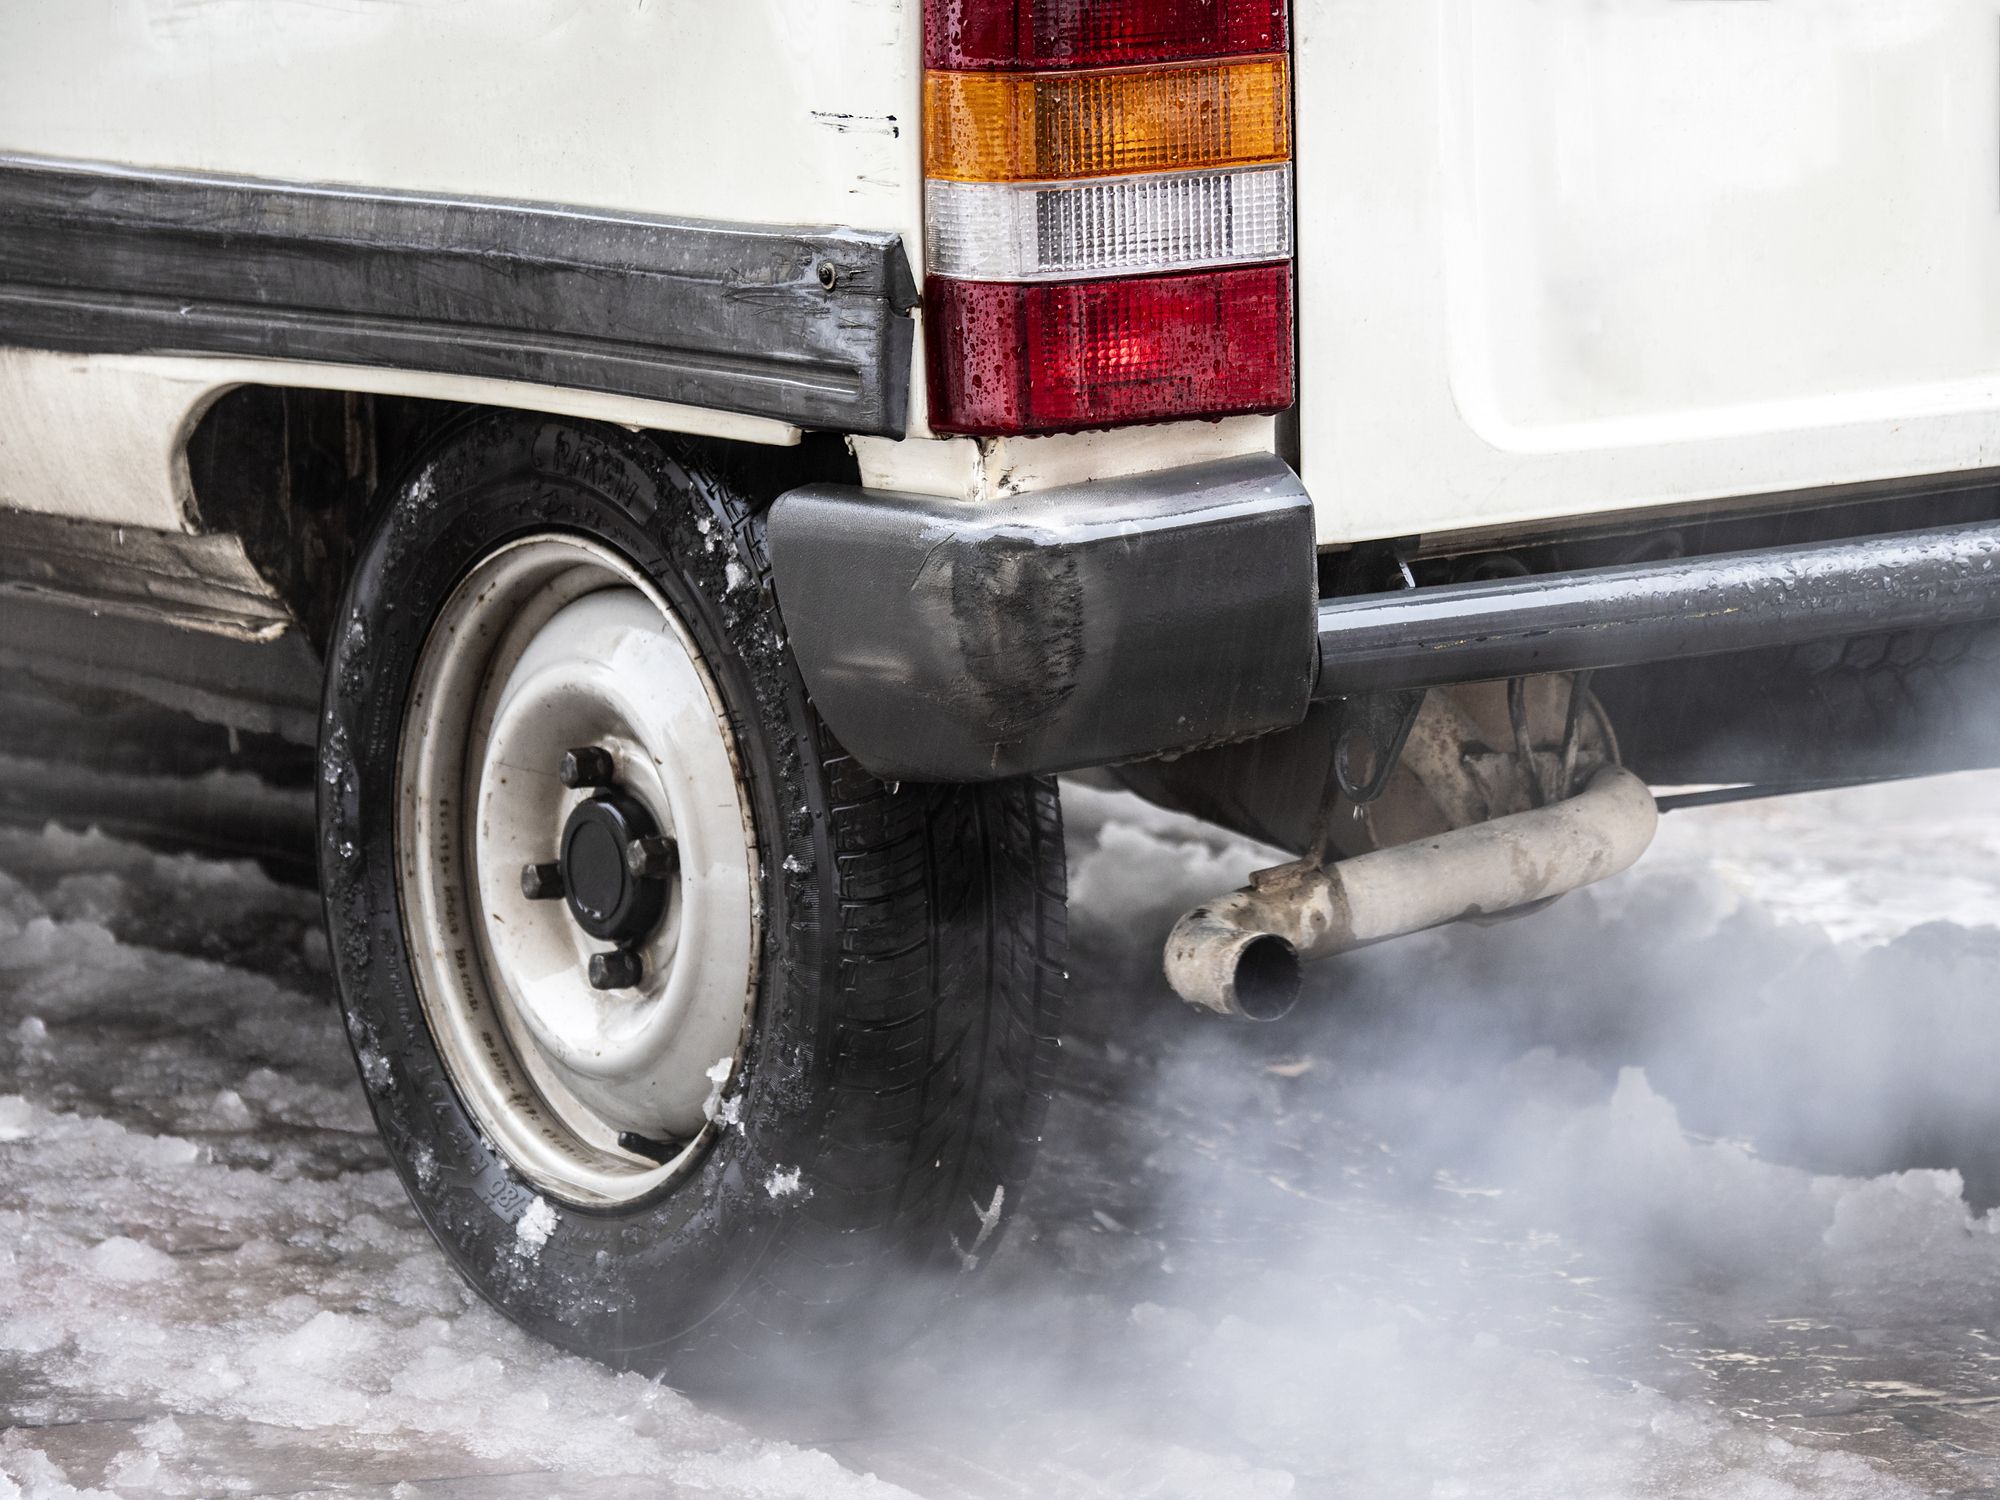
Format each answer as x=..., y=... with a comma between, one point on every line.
x=1176, y=221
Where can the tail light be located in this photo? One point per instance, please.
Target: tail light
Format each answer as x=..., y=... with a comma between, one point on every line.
x=1107, y=211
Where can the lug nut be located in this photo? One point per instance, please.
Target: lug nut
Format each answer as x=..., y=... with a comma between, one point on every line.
x=542, y=882
x=620, y=969
x=588, y=766
x=653, y=858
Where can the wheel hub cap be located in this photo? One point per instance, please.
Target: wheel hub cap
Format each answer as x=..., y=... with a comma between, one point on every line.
x=607, y=897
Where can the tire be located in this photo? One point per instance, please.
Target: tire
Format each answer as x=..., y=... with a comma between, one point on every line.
x=893, y=1068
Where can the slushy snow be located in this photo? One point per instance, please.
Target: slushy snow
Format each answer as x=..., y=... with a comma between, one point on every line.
x=1660, y=1194
x=715, y=1108
x=210, y=1281
x=533, y=1228
x=784, y=1182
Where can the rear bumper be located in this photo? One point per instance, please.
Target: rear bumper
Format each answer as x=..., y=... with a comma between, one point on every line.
x=1089, y=624
x=945, y=640
x=1660, y=611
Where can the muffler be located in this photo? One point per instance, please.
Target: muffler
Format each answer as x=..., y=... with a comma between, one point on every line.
x=1241, y=955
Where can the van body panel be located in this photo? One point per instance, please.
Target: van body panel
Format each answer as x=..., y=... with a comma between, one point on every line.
x=1565, y=257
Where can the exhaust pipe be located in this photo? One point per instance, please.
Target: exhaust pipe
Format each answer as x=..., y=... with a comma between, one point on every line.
x=1241, y=955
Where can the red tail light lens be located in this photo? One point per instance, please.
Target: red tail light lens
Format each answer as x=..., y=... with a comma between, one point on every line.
x=1015, y=357
x=1014, y=34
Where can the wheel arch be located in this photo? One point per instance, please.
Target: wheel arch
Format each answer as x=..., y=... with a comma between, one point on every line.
x=209, y=509
x=297, y=473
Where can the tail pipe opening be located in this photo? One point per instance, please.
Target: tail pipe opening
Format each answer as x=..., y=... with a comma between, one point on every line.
x=1241, y=955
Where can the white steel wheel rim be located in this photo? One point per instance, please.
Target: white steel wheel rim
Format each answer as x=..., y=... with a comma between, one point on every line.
x=596, y=1097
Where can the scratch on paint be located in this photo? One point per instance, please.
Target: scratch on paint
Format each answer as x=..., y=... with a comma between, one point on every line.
x=847, y=124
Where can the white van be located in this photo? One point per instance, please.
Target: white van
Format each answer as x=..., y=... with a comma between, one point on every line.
x=698, y=468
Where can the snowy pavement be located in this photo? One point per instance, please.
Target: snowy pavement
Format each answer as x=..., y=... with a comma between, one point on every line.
x=1656, y=1194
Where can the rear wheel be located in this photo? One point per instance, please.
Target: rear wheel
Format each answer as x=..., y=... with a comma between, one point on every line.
x=677, y=1024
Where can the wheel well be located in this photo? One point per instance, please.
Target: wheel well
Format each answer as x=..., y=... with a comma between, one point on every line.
x=299, y=474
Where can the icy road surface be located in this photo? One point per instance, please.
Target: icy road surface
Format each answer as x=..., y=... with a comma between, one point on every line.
x=1657, y=1194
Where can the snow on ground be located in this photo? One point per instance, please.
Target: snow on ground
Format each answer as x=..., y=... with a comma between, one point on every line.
x=1660, y=1193
x=209, y=1280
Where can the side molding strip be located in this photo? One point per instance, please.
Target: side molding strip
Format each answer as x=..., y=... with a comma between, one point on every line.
x=806, y=326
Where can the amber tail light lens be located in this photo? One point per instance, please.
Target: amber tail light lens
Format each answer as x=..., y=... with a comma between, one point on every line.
x=1017, y=127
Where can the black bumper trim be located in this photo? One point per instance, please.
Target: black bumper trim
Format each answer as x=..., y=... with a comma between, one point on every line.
x=1659, y=611
x=945, y=640
x=112, y=260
